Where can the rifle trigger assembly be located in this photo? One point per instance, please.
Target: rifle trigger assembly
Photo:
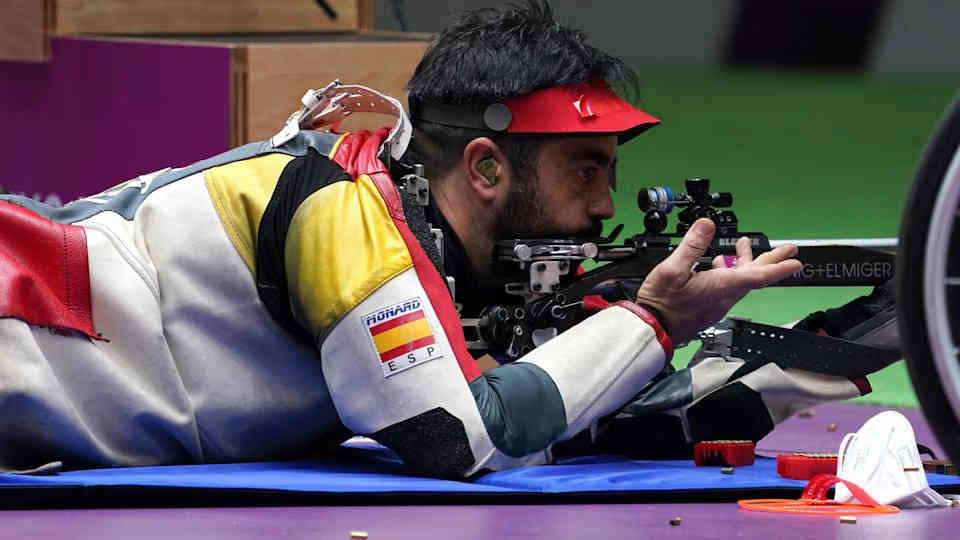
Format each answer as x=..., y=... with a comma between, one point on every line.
x=503, y=328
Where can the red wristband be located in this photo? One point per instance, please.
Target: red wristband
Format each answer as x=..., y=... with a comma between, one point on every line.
x=665, y=342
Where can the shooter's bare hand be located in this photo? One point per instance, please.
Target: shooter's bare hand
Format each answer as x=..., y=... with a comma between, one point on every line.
x=692, y=301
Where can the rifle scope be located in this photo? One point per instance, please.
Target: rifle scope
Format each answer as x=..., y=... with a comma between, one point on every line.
x=657, y=202
x=663, y=199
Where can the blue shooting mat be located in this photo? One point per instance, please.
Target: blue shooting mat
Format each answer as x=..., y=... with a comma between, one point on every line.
x=369, y=469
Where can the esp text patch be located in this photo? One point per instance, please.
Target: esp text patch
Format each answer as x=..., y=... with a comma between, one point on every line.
x=402, y=336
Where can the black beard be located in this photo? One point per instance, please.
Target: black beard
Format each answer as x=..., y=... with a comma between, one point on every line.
x=523, y=217
x=594, y=231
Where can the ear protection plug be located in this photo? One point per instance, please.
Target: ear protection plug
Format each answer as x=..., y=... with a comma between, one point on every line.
x=488, y=169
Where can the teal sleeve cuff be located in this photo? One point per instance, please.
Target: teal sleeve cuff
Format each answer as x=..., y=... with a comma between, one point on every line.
x=521, y=407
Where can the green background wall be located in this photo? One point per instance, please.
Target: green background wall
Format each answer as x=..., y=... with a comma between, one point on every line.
x=805, y=155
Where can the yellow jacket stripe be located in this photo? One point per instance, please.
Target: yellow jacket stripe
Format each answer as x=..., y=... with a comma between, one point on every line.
x=350, y=221
x=240, y=192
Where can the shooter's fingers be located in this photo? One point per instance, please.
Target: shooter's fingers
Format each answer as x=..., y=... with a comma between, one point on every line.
x=744, y=251
x=781, y=253
x=694, y=244
x=756, y=276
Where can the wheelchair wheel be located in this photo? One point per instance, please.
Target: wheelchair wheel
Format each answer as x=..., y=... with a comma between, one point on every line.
x=928, y=282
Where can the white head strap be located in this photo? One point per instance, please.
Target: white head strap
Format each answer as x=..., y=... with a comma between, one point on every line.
x=327, y=107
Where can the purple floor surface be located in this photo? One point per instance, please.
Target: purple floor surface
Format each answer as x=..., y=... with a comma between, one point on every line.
x=811, y=434
x=718, y=520
x=711, y=521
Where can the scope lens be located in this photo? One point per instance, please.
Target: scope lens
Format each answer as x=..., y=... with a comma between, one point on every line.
x=658, y=199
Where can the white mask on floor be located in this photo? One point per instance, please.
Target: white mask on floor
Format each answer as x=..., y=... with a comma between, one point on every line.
x=883, y=459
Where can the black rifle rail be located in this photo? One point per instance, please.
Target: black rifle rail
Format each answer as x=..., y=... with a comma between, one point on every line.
x=824, y=264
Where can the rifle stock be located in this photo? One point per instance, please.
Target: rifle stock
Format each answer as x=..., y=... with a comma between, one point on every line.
x=542, y=271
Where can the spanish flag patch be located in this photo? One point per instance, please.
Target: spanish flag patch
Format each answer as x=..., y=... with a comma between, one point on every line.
x=402, y=336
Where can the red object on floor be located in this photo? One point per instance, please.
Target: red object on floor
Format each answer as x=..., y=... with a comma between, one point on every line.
x=806, y=466
x=723, y=453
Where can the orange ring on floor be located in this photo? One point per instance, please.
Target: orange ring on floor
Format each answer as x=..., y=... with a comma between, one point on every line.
x=814, y=507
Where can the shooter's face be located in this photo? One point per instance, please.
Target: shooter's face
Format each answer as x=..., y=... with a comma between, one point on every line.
x=570, y=194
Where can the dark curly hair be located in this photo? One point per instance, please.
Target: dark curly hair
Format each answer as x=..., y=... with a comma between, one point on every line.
x=492, y=54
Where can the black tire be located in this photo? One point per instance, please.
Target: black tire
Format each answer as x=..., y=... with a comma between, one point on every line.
x=915, y=327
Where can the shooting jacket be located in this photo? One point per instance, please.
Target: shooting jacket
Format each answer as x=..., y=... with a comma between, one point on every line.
x=265, y=303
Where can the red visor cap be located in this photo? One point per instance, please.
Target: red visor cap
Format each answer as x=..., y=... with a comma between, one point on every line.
x=581, y=108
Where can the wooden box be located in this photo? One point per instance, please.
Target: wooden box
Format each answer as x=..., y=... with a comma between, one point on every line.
x=269, y=78
x=104, y=110
x=26, y=26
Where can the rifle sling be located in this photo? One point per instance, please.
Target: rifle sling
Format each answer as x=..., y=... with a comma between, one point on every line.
x=758, y=344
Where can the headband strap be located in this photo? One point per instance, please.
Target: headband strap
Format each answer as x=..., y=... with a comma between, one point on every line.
x=580, y=108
